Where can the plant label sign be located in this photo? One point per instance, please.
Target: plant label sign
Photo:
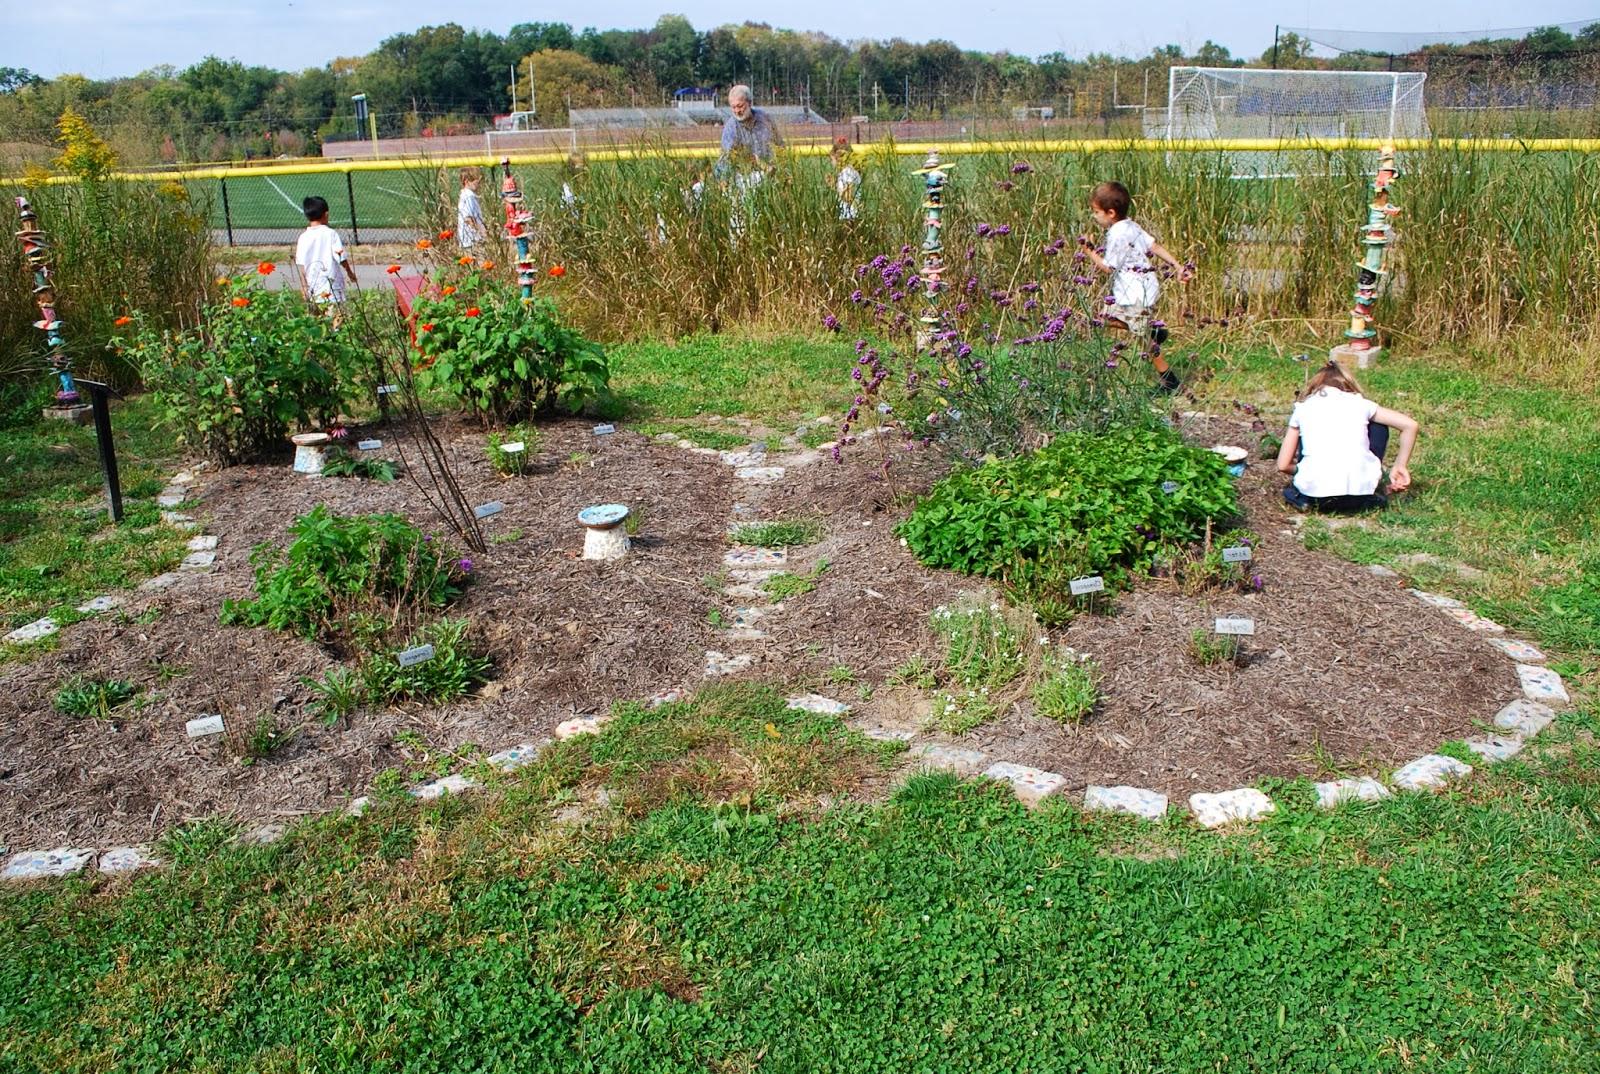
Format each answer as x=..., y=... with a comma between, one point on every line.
x=203, y=726
x=604, y=430
x=410, y=657
x=513, y=449
x=1236, y=554
x=388, y=389
x=1236, y=626
x=369, y=445
x=1092, y=584
x=1169, y=487
x=488, y=509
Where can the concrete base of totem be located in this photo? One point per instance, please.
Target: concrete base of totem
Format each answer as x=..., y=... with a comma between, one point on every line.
x=1351, y=358
x=81, y=414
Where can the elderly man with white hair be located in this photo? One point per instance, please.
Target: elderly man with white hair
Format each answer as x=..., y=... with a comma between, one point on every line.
x=749, y=129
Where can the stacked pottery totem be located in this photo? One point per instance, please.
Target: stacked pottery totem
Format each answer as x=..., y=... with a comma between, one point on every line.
x=518, y=218
x=934, y=175
x=35, y=248
x=1372, y=269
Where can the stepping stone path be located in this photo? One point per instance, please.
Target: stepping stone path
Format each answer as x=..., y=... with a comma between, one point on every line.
x=1215, y=810
x=39, y=628
x=1030, y=785
x=36, y=864
x=1340, y=791
x=1542, y=684
x=1431, y=773
x=1150, y=805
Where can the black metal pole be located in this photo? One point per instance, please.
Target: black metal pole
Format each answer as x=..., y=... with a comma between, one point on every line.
x=350, y=192
x=227, y=213
x=108, y=450
x=1275, y=48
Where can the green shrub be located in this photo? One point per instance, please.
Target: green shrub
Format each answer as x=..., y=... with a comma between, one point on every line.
x=505, y=358
x=340, y=463
x=86, y=697
x=453, y=670
x=1084, y=504
x=1067, y=686
x=259, y=364
x=340, y=574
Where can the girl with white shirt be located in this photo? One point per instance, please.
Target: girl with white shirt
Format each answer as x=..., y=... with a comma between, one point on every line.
x=1335, y=443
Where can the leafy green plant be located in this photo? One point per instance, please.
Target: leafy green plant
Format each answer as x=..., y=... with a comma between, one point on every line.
x=257, y=364
x=337, y=569
x=1201, y=568
x=715, y=618
x=1207, y=649
x=985, y=645
x=785, y=585
x=505, y=358
x=454, y=669
x=786, y=533
x=917, y=671
x=340, y=463
x=1085, y=504
x=955, y=712
x=264, y=738
x=840, y=675
x=512, y=463
x=337, y=694
x=90, y=697
x=1066, y=687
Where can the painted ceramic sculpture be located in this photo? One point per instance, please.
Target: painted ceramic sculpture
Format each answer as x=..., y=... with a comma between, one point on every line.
x=36, y=250
x=1373, y=266
x=518, y=218
x=934, y=175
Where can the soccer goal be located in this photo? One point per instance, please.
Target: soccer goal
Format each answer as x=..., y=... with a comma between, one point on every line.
x=1237, y=102
x=540, y=140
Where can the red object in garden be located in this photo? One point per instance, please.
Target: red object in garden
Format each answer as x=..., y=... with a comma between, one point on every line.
x=406, y=290
x=558, y=270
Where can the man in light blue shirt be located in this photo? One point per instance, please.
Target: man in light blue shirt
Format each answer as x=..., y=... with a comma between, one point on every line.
x=749, y=128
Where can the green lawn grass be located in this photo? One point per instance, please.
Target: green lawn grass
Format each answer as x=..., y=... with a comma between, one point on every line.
x=719, y=915
x=58, y=546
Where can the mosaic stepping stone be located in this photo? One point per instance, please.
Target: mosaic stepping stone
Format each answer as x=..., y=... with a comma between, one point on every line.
x=39, y=628
x=1542, y=684
x=453, y=785
x=1339, y=791
x=1226, y=807
x=1518, y=650
x=178, y=520
x=1151, y=805
x=1524, y=718
x=99, y=604
x=198, y=561
x=1496, y=747
x=160, y=582
x=580, y=725
x=950, y=759
x=668, y=697
x=1431, y=773
x=202, y=544
x=746, y=591
x=747, y=557
x=753, y=575
x=1435, y=599
x=127, y=860
x=263, y=836
x=37, y=864
x=1472, y=621
x=1030, y=785
x=825, y=706
x=723, y=664
x=744, y=634
x=761, y=475
x=524, y=753
x=888, y=734
x=170, y=500
x=1378, y=570
x=745, y=459
x=357, y=806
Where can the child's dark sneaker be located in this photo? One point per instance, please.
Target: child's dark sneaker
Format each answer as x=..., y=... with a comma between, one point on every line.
x=1169, y=381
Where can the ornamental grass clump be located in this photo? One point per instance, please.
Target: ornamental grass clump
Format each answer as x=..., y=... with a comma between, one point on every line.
x=343, y=580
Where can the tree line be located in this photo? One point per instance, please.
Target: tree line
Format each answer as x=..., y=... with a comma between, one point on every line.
x=450, y=80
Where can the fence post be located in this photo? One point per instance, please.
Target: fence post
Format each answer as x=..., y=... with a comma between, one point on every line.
x=227, y=213
x=350, y=192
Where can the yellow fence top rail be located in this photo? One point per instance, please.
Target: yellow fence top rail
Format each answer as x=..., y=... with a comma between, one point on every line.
x=948, y=149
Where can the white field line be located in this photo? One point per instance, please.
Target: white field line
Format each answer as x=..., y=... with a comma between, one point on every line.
x=281, y=194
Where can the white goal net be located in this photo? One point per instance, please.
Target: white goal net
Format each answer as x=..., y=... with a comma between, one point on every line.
x=1238, y=102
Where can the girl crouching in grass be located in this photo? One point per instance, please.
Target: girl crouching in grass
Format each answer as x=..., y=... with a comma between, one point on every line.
x=1335, y=443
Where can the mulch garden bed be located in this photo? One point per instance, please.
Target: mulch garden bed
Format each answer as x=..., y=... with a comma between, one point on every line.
x=1345, y=668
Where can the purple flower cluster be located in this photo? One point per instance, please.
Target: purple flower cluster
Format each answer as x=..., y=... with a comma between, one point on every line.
x=1021, y=167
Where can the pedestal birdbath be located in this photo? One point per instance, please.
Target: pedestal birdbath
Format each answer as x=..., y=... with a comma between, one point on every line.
x=310, y=452
x=605, y=537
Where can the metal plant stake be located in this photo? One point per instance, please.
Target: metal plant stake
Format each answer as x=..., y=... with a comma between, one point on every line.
x=934, y=175
x=1372, y=269
x=36, y=249
x=518, y=217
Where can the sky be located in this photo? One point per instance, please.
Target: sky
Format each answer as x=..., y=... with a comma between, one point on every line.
x=107, y=38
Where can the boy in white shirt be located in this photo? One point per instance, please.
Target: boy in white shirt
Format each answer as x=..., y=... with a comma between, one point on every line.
x=321, y=255
x=1134, y=287
x=470, y=226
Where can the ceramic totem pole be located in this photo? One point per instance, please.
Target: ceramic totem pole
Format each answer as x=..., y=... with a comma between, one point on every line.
x=934, y=175
x=518, y=218
x=37, y=251
x=1373, y=266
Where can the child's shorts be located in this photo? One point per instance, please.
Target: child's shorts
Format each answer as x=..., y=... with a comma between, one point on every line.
x=1137, y=318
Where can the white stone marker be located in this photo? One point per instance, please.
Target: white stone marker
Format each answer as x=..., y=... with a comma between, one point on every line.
x=1151, y=805
x=1340, y=791
x=1430, y=773
x=1225, y=807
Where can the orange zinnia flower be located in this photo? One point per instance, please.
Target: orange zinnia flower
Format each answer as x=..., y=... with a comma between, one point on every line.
x=424, y=244
x=488, y=265
x=240, y=302
x=426, y=327
x=474, y=311
x=463, y=260
x=120, y=321
x=265, y=268
x=392, y=270
x=446, y=234
x=558, y=270
x=449, y=290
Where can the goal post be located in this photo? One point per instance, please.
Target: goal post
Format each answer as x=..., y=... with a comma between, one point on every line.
x=1243, y=102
